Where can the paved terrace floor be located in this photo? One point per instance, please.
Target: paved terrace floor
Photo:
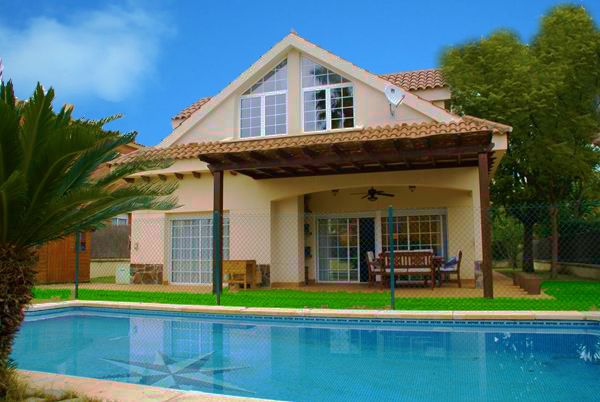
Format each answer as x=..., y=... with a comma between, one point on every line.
x=503, y=287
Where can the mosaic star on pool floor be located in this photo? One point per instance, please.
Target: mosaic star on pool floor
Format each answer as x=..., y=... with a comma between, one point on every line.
x=167, y=372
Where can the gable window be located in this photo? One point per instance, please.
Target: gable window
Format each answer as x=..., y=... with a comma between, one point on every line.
x=328, y=98
x=263, y=108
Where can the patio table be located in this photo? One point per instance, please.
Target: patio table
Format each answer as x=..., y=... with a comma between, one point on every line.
x=437, y=261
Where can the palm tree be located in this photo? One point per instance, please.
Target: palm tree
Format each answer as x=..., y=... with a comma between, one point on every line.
x=50, y=187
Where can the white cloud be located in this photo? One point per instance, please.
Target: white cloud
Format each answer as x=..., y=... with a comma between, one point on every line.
x=105, y=53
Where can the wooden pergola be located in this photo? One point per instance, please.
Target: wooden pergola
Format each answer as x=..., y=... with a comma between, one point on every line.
x=299, y=156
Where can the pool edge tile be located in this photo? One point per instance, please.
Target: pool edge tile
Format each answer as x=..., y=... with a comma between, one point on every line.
x=417, y=314
x=325, y=313
x=52, y=305
x=559, y=315
x=592, y=315
x=494, y=315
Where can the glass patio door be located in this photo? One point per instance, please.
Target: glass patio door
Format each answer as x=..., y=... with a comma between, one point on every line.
x=338, y=250
x=191, y=249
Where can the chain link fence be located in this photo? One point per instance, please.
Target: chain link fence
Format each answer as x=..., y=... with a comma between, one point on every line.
x=424, y=259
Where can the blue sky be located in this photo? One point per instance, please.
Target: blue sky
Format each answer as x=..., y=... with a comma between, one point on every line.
x=148, y=59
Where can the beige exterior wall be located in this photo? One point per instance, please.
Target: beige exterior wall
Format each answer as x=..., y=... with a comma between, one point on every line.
x=267, y=220
x=371, y=107
x=455, y=204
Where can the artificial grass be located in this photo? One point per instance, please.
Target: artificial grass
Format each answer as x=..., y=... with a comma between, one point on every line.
x=567, y=295
x=49, y=294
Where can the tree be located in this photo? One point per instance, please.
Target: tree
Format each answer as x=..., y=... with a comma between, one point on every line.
x=548, y=93
x=567, y=61
x=506, y=244
x=50, y=188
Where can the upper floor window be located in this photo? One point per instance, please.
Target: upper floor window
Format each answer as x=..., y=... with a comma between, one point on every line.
x=263, y=108
x=328, y=98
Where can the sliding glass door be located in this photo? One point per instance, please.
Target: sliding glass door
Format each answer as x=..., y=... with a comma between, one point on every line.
x=338, y=250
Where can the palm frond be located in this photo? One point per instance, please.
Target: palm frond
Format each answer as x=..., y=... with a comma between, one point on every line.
x=52, y=172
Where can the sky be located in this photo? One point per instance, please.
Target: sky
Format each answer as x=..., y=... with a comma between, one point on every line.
x=148, y=59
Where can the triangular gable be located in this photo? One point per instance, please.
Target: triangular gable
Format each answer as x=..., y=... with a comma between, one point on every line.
x=346, y=68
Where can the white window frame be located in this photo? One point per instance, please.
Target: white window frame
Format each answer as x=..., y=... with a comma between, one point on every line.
x=317, y=262
x=169, y=244
x=263, y=113
x=441, y=212
x=327, y=89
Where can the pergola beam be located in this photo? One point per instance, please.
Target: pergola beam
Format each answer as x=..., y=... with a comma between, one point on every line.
x=366, y=169
x=309, y=153
x=372, y=154
x=401, y=154
x=259, y=156
x=381, y=157
x=339, y=152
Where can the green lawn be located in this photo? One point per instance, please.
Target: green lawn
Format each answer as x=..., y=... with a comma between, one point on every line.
x=568, y=295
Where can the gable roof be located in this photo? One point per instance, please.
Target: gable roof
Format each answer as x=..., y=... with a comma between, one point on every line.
x=414, y=80
x=292, y=40
x=467, y=125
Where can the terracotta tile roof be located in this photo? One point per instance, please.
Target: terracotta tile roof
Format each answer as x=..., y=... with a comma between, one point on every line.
x=187, y=112
x=466, y=125
x=418, y=79
x=409, y=80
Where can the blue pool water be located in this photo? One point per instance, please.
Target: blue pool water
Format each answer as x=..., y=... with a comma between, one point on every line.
x=319, y=359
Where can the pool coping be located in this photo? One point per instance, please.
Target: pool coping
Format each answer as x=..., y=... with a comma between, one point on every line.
x=527, y=315
x=107, y=390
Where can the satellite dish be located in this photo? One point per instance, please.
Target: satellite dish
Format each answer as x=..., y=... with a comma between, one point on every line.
x=395, y=96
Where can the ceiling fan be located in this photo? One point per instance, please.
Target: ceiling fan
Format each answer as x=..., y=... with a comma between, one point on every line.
x=373, y=194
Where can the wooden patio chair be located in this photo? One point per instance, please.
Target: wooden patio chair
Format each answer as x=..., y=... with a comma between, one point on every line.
x=374, y=268
x=452, y=266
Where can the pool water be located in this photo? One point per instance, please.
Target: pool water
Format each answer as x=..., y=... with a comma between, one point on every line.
x=319, y=359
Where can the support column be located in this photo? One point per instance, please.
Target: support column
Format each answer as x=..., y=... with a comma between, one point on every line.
x=217, y=251
x=486, y=230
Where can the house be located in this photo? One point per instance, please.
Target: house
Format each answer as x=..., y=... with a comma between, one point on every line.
x=281, y=153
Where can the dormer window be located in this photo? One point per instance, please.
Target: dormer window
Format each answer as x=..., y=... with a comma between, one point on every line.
x=263, y=108
x=328, y=98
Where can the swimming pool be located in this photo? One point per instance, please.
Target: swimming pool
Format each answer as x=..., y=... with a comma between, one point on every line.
x=311, y=359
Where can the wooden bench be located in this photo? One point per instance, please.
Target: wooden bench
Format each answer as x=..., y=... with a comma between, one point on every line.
x=242, y=272
x=529, y=282
x=411, y=263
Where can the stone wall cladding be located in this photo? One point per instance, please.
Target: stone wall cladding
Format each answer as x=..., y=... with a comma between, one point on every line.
x=149, y=274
